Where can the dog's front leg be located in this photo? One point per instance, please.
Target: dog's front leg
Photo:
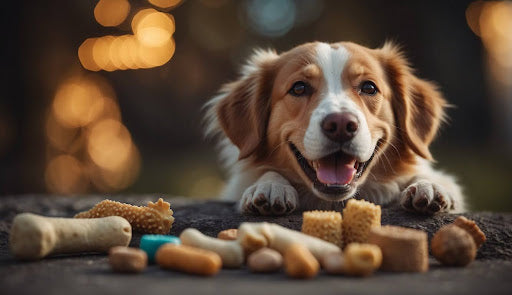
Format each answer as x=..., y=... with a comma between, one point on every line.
x=431, y=192
x=271, y=194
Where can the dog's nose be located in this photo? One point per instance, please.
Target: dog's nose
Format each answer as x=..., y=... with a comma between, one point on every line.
x=340, y=127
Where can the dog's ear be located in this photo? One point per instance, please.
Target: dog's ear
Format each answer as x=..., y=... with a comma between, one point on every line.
x=417, y=104
x=244, y=109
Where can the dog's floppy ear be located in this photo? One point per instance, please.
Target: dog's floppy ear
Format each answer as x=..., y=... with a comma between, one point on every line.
x=417, y=104
x=244, y=109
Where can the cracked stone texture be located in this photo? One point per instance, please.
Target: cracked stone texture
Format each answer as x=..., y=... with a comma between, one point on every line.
x=90, y=273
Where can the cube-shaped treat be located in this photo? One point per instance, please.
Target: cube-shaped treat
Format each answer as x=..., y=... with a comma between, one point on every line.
x=359, y=217
x=325, y=225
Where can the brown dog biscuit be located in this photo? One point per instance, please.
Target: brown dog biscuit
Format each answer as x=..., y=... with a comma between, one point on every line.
x=359, y=217
x=403, y=249
x=188, y=259
x=300, y=263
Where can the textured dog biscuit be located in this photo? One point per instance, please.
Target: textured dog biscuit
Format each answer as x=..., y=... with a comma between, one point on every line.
x=325, y=225
x=125, y=259
x=228, y=234
x=34, y=237
x=453, y=246
x=230, y=252
x=156, y=218
x=188, y=259
x=265, y=260
x=300, y=263
x=362, y=259
x=359, y=217
x=253, y=236
x=403, y=249
x=472, y=229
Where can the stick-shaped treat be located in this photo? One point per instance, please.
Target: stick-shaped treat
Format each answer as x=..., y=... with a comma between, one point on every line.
x=253, y=236
x=156, y=218
x=34, y=237
x=230, y=252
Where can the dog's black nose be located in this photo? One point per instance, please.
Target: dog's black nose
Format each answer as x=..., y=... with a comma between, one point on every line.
x=340, y=127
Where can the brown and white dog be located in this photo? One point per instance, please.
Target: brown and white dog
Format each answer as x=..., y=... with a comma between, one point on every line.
x=322, y=123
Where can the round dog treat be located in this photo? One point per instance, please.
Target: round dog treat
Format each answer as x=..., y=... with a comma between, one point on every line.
x=403, y=249
x=325, y=225
x=34, y=237
x=228, y=234
x=333, y=263
x=125, y=259
x=265, y=260
x=472, y=229
x=188, y=259
x=156, y=218
x=230, y=252
x=453, y=246
x=359, y=216
x=300, y=263
x=362, y=259
x=151, y=243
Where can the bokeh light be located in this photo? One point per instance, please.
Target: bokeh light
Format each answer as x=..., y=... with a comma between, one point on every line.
x=272, y=18
x=64, y=174
x=77, y=103
x=87, y=142
x=165, y=3
x=152, y=28
x=111, y=13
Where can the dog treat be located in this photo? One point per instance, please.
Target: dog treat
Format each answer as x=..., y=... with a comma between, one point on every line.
x=359, y=216
x=472, y=229
x=361, y=259
x=151, y=243
x=403, y=249
x=228, y=234
x=188, y=259
x=325, y=225
x=253, y=236
x=333, y=263
x=230, y=252
x=453, y=246
x=265, y=260
x=34, y=237
x=156, y=218
x=125, y=259
x=299, y=262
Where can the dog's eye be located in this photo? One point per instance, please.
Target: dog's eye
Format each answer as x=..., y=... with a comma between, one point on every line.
x=368, y=87
x=299, y=89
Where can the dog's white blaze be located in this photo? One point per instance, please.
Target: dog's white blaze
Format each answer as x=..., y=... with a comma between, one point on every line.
x=332, y=61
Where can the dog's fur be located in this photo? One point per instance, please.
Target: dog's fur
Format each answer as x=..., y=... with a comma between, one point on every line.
x=264, y=131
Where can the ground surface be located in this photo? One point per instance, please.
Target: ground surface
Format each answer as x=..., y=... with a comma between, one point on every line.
x=491, y=273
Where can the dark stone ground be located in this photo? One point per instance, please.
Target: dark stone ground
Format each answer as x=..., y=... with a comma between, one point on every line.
x=491, y=273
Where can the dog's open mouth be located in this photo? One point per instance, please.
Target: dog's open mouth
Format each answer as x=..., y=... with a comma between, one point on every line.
x=334, y=174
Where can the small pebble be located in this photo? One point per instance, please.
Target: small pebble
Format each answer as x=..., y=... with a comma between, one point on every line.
x=228, y=234
x=151, y=243
x=265, y=260
x=129, y=260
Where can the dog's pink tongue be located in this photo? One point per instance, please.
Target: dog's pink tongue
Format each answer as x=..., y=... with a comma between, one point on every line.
x=336, y=169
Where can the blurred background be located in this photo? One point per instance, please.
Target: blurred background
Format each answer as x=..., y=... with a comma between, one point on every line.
x=105, y=96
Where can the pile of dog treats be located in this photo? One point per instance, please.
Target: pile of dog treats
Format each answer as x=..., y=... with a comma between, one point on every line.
x=354, y=244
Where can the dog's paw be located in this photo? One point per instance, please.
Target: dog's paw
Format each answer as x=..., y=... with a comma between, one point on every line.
x=269, y=198
x=425, y=197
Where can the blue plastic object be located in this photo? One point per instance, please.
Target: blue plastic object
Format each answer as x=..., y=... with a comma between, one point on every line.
x=151, y=243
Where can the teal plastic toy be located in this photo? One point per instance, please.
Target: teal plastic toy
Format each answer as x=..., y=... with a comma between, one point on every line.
x=151, y=243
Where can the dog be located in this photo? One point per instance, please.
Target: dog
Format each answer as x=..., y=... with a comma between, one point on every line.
x=321, y=123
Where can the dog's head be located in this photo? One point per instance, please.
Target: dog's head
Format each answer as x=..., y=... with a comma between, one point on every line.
x=331, y=116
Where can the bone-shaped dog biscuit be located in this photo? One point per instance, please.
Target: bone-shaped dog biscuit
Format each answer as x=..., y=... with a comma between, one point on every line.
x=34, y=237
x=230, y=252
x=253, y=236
